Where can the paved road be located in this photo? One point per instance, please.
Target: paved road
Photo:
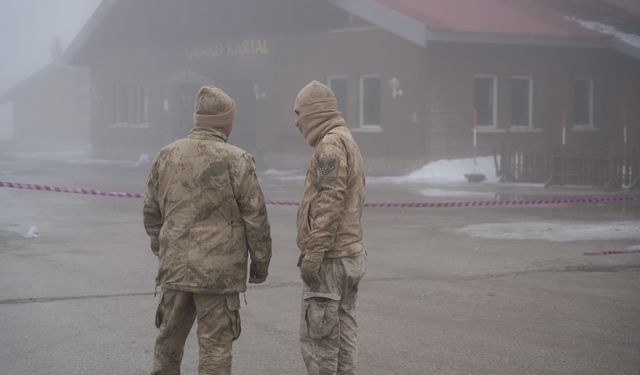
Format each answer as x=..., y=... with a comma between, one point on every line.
x=79, y=299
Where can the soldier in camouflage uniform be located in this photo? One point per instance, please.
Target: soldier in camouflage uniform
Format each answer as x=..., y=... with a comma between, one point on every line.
x=205, y=214
x=332, y=259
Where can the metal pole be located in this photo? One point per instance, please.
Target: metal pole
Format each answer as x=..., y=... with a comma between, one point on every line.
x=625, y=167
x=564, y=127
x=565, y=156
x=475, y=136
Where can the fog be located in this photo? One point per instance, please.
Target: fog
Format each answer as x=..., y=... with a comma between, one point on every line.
x=27, y=30
x=426, y=82
x=501, y=144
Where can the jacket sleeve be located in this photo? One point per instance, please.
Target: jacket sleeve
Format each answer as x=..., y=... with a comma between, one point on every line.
x=327, y=206
x=151, y=209
x=253, y=211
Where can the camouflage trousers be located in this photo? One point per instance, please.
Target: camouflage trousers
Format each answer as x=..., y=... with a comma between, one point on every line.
x=328, y=327
x=218, y=325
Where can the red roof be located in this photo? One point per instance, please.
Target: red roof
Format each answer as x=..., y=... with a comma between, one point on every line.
x=506, y=17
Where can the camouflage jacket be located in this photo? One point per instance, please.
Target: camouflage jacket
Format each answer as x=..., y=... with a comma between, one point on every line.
x=205, y=213
x=329, y=216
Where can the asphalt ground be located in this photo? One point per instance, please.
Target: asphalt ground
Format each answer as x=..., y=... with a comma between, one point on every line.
x=79, y=298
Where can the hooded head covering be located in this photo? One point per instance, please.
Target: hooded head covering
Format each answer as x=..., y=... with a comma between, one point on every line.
x=214, y=109
x=317, y=111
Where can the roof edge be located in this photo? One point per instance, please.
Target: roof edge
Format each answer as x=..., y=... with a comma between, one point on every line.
x=12, y=92
x=626, y=48
x=529, y=40
x=87, y=30
x=387, y=18
x=420, y=34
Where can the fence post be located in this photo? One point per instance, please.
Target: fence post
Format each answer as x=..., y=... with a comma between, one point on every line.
x=625, y=164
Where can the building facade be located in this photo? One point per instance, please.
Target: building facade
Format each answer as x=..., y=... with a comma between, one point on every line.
x=413, y=79
x=52, y=104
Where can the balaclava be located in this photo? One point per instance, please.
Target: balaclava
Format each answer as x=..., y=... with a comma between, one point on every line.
x=317, y=112
x=214, y=109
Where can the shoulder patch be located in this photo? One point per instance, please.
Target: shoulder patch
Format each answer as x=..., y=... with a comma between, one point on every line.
x=328, y=166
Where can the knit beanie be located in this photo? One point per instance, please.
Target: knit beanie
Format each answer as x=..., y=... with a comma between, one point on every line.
x=214, y=108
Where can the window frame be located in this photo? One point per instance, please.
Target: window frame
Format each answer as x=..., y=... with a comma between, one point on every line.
x=142, y=104
x=591, y=86
x=495, y=100
x=530, y=117
x=362, y=126
x=120, y=112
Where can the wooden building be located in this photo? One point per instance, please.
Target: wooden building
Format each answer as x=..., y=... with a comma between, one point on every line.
x=51, y=104
x=410, y=76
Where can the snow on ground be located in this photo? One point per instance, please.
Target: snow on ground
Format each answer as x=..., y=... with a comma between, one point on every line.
x=287, y=175
x=445, y=171
x=634, y=247
x=71, y=153
x=555, y=232
x=438, y=172
x=602, y=28
x=455, y=193
x=123, y=163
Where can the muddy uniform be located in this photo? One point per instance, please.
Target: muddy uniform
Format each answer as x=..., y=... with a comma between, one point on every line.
x=329, y=235
x=205, y=214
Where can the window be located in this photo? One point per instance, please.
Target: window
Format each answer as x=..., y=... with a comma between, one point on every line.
x=122, y=104
x=143, y=104
x=583, y=102
x=83, y=97
x=338, y=84
x=370, y=101
x=131, y=105
x=486, y=100
x=521, y=100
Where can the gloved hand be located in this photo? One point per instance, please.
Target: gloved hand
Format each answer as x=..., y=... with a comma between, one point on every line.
x=258, y=272
x=310, y=269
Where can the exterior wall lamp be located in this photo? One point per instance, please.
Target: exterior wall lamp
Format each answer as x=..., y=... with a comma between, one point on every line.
x=258, y=92
x=395, y=87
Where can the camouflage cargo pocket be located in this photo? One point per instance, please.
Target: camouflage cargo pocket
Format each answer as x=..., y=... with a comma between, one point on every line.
x=321, y=317
x=233, y=310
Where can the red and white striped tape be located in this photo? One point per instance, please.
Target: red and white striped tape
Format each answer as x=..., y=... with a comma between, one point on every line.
x=487, y=203
x=17, y=185
x=612, y=252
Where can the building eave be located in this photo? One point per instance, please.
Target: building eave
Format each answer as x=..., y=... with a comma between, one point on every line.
x=526, y=40
x=69, y=57
x=626, y=48
x=386, y=18
x=420, y=34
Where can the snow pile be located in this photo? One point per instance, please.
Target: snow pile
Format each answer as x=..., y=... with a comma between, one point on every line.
x=441, y=171
x=143, y=159
x=447, y=171
x=33, y=232
x=555, y=232
x=602, y=28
